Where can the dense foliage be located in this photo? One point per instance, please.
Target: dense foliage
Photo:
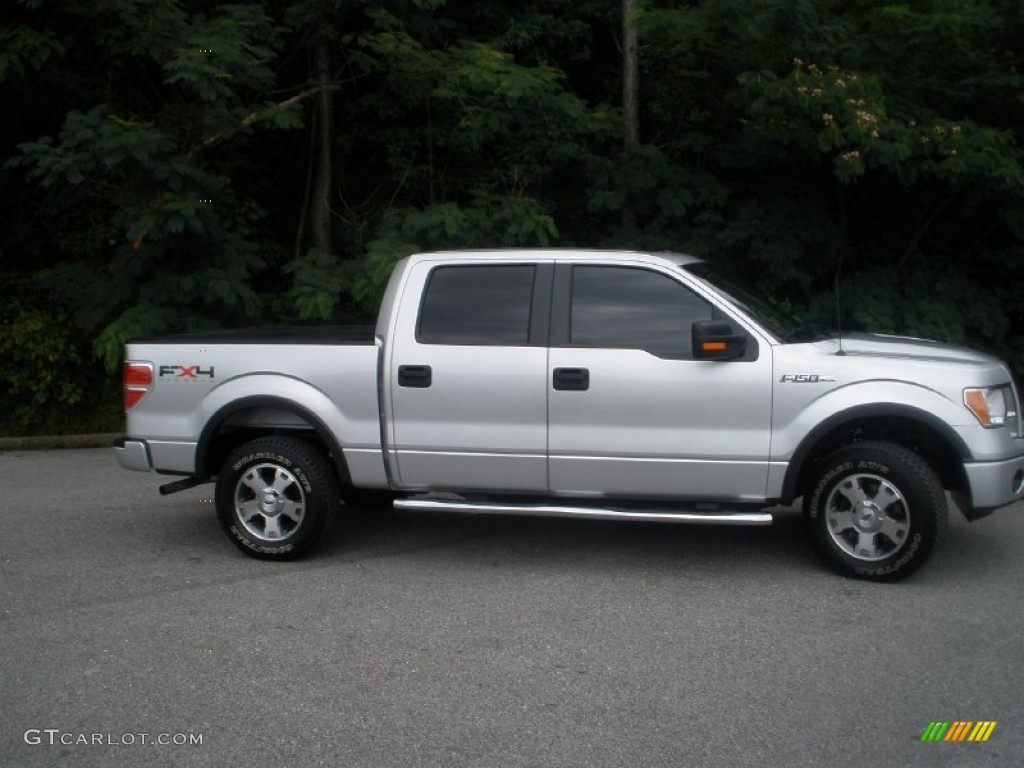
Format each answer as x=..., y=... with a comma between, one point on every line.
x=181, y=164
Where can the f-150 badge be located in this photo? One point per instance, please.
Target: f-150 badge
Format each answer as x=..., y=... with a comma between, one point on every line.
x=803, y=378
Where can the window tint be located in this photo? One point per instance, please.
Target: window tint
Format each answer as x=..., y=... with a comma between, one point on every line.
x=477, y=305
x=634, y=309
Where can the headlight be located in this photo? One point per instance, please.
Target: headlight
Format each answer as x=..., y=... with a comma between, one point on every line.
x=993, y=406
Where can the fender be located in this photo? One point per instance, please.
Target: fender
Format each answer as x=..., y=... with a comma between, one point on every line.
x=216, y=421
x=861, y=412
x=800, y=409
x=356, y=426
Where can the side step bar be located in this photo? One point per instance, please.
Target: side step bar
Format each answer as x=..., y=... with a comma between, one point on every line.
x=586, y=512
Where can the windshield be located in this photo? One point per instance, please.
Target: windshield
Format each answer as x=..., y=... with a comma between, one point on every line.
x=771, y=317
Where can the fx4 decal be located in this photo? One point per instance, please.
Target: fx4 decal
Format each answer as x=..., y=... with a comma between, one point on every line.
x=185, y=372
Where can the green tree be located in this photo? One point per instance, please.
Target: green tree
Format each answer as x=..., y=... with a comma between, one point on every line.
x=451, y=142
x=177, y=164
x=158, y=236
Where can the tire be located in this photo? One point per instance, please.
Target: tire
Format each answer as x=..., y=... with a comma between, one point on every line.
x=875, y=510
x=276, y=497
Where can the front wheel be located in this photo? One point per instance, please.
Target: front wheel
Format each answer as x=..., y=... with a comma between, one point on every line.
x=276, y=497
x=875, y=510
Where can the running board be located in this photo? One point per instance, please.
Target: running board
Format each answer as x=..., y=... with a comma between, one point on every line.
x=586, y=512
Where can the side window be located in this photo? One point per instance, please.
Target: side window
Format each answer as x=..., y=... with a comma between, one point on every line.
x=477, y=305
x=631, y=308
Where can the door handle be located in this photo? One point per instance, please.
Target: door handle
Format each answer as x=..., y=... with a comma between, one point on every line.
x=417, y=376
x=571, y=379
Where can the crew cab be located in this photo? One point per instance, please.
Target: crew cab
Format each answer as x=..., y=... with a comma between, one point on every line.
x=595, y=384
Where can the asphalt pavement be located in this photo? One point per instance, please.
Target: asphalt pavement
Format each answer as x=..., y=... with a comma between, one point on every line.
x=411, y=639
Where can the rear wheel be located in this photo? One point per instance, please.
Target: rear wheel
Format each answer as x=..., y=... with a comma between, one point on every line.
x=876, y=511
x=276, y=497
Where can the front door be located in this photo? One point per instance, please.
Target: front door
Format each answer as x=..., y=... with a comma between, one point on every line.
x=631, y=413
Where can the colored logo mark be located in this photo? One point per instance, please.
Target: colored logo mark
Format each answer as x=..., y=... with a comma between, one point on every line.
x=958, y=730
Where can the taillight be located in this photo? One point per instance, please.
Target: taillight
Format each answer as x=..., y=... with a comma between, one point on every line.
x=136, y=380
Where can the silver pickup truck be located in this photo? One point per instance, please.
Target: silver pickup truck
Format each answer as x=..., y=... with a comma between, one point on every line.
x=596, y=384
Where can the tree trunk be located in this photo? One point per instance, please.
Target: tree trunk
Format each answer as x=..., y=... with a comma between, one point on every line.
x=324, y=173
x=630, y=76
x=630, y=94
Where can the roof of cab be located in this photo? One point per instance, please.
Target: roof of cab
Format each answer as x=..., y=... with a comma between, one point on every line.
x=556, y=254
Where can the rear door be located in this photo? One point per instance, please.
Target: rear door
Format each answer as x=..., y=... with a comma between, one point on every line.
x=631, y=412
x=467, y=377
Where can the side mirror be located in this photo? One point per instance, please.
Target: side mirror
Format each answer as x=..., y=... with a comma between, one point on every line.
x=715, y=340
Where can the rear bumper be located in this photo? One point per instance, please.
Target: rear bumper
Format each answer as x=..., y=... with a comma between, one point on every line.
x=133, y=454
x=995, y=484
x=172, y=457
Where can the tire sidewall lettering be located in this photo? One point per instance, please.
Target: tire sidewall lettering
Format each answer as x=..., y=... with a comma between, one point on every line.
x=873, y=466
x=908, y=554
x=261, y=548
x=301, y=477
x=254, y=458
x=825, y=483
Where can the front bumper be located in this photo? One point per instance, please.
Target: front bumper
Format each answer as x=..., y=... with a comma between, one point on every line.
x=995, y=484
x=133, y=454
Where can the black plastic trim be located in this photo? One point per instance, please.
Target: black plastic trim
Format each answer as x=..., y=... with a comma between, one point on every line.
x=979, y=512
x=415, y=376
x=571, y=379
x=267, y=401
x=561, y=302
x=540, y=306
x=857, y=413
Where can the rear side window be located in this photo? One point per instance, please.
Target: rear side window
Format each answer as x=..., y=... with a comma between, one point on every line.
x=630, y=308
x=477, y=305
